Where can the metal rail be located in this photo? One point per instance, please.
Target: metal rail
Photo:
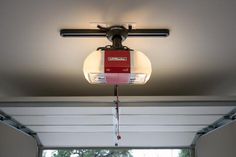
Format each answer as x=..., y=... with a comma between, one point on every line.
x=8, y=120
x=226, y=119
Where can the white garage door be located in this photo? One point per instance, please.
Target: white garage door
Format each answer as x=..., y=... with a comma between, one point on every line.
x=144, y=121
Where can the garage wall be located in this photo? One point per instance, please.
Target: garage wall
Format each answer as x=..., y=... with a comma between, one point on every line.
x=16, y=144
x=220, y=143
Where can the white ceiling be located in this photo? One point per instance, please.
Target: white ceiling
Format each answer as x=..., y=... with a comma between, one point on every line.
x=173, y=122
x=198, y=58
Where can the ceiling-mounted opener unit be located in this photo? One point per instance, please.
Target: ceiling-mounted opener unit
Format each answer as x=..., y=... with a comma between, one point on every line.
x=116, y=64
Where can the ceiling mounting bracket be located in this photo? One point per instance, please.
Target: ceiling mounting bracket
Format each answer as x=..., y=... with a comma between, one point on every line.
x=116, y=34
x=109, y=32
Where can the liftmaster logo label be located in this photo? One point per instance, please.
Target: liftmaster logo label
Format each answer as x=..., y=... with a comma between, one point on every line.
x=117, y=58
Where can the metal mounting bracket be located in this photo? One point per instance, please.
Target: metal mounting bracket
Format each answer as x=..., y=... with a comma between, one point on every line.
x=103, y=32
x=116, y=34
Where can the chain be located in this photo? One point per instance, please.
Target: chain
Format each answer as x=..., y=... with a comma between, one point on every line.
x=117, y=131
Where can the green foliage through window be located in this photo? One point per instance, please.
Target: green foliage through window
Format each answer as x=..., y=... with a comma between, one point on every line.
x=114, y=152
x=93, y=153
x=184, y=153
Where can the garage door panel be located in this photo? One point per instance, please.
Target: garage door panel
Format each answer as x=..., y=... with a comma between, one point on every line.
x=166, y=123
x=145, y=139
x=68, y=129
x=220, y=110
x=137, y=119
x=63, y=120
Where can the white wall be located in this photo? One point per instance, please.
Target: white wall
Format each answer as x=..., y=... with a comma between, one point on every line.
x=219, y=143
x=16, y=144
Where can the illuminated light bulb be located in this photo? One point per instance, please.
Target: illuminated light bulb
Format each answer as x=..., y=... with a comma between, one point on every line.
x=117, y=67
